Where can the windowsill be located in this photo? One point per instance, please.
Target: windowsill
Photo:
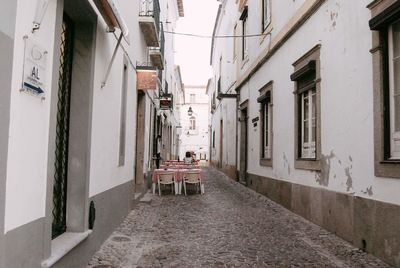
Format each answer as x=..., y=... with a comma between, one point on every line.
x=307, y=164
x=266, y=162
x=388, y=161
x=64, y=244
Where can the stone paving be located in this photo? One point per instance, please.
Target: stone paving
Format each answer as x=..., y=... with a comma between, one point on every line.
x=229, y=226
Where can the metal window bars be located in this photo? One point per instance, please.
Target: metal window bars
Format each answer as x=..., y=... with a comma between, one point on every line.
x=62, y=130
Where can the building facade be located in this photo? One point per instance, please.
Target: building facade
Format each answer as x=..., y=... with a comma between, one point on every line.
x=71, y=110
x=159, y=87
x=194, y=121
x=304, y=97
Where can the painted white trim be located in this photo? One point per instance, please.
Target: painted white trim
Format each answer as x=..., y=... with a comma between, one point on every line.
x=64, y=244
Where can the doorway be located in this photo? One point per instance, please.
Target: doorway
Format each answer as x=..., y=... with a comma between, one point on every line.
x=67, y=204
x=243, y=144
x=140, y=141
x=62, y=129
x=221, y=143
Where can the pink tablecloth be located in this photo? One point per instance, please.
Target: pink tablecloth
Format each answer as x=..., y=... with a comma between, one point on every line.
x=179, y=174
x=177, y=166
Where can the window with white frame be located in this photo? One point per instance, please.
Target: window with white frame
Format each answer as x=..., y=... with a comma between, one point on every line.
x=192, y=98
x=307, y=78
x=267, y=130
x=394, y=89
x=192, y=125
x=265, y=101
x=308, y=120
x=266, y=14
x=385, y=51
x=243, y=18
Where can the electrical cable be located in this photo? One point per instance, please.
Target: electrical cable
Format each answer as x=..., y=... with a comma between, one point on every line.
x=216, y=36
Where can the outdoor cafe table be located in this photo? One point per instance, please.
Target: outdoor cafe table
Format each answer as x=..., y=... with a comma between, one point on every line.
x=183, y=166
x=179, y=175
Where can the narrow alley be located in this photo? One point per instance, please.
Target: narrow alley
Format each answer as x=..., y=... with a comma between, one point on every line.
x=229, y=226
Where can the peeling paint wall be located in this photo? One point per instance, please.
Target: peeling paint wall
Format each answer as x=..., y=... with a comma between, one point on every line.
x=341, y=28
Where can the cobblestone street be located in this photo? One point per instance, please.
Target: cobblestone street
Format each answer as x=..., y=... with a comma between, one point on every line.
x=229, y=226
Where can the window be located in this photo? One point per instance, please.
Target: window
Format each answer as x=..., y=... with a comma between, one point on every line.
x=385, y=51
x=307, y=107
x=192, y=123
x=213, y=102
x=235, y=33
x=192, y=98
x=394, y=90
x=265, y=101
x=308, y=127
x=213, y=139
x=243, y=18
x=122, y=128
x=266, y=14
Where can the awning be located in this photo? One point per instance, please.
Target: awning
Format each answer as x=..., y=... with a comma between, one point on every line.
x=112, y=17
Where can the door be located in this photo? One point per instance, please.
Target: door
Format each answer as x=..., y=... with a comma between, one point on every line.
x=243, y=146
x=140, y=141
x=62, y=130
x=221, y=143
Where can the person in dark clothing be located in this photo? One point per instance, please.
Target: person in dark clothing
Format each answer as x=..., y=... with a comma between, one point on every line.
x=158, y=155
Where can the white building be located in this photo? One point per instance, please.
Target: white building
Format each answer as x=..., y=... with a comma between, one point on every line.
x=69, y=121
x=305, y=111
x=194, y=120
x=160, y=87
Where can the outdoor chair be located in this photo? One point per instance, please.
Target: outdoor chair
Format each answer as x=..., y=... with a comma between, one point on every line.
x=165, y=178
x=192, y=177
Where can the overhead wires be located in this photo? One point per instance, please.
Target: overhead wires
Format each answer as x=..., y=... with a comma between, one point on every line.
x=216, y=36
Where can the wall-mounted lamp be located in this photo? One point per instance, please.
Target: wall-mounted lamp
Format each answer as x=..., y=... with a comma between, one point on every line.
x=112, y=17
x=190, y=111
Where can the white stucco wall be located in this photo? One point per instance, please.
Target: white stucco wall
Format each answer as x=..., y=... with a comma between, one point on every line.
x=199, y=140
x=29, y=122
x=341, y=27
x=105, y=172
x=29, y=125
x=223, y=53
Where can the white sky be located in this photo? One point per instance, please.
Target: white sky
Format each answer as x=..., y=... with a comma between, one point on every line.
x=192, y=53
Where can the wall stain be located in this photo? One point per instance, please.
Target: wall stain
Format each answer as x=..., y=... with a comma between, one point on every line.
x=368, y=191
x=347, y=171
x=286, y=163
x=322, y=177
x=334, y=14
x=349, y=182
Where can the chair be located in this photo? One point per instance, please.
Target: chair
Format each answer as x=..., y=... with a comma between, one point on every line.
x=166, y=177
x=192, y=177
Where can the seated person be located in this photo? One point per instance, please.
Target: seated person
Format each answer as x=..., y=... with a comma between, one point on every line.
x=188, y=158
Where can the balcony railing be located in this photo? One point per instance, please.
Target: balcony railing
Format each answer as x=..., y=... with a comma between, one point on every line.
x=160, y=75
x=149, y=21
x=157, y=53
x=162, y=39
x=150, y=8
